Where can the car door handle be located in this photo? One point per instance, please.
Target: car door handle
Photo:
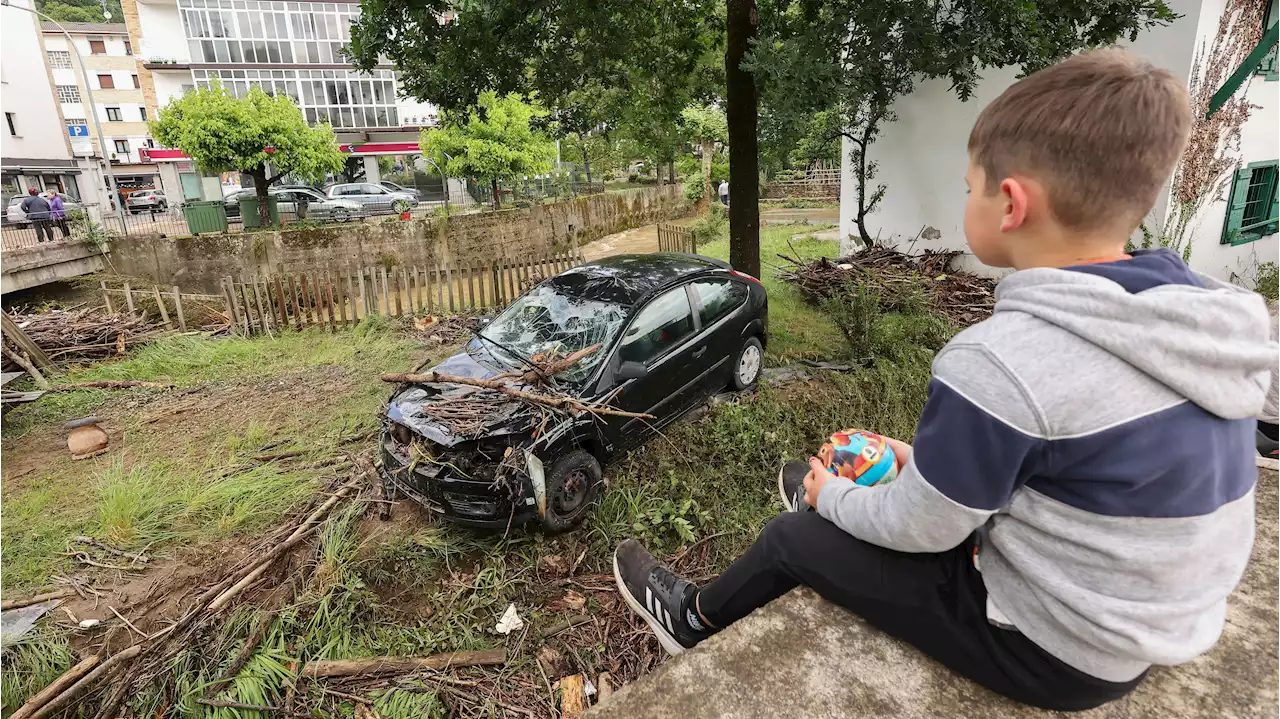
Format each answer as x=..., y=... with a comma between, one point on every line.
x=699, y=352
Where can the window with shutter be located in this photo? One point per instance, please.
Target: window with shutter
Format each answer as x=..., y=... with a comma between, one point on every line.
x=1252, y=210
x=1268, y=65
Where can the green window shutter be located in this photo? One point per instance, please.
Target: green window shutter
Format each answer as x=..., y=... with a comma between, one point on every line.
x=1251, y=63
x=1268, y=67
x=1235, y=206
x=1274, y=214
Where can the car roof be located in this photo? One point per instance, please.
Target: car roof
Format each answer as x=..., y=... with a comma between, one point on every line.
x=629, y=279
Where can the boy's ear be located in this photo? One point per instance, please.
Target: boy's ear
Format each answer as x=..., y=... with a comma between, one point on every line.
x=1014, y=193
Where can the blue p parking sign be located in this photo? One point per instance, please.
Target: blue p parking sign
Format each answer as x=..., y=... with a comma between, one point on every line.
x=78, y=130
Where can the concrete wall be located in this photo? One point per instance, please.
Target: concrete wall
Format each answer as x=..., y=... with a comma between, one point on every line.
x=27, y=267
x=198, y=263
x=923, y=155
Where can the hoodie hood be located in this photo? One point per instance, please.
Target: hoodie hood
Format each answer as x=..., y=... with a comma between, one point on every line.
x=1207, y=340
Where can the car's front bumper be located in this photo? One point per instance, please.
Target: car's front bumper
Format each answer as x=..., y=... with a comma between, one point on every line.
x=472, y=502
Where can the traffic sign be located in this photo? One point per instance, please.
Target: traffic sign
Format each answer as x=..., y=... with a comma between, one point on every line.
x=78, y=130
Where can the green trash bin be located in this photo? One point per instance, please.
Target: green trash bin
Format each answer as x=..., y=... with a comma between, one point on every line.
x=249, y=211
x=205, y=216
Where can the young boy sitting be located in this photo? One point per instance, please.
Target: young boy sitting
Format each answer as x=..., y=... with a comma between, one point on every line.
x=1079, y=501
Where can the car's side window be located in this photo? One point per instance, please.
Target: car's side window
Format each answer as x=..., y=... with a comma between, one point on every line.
x=662, y=324
x=374, y=190
x=717, y=298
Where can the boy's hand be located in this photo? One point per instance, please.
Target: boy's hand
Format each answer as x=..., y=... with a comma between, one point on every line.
x=815, y=480
x=818, y=475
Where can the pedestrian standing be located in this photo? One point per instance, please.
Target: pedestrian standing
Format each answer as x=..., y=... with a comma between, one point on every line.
x=58, y=214
x=36, y=209
x=724, y=193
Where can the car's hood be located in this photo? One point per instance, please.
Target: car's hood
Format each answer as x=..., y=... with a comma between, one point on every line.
x=405, y=407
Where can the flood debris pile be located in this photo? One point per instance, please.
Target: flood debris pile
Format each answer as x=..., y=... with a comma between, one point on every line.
x=899, y=279
x=436, y=330
x=87, y=333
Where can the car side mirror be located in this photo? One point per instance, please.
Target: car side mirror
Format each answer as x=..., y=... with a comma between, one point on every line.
x=631, y=370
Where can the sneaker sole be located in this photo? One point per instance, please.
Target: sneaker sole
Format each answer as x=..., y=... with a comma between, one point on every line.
x=782, y=491
x=667, y=641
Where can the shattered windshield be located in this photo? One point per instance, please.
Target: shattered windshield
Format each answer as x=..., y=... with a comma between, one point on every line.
x=545, y=323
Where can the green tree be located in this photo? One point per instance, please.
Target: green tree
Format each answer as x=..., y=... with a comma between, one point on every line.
x=254, y=134
x=707, y=125
x=794, y=58
x=497, y=141
x=81, y=10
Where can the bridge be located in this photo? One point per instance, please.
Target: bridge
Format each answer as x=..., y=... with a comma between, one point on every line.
x=30, y=264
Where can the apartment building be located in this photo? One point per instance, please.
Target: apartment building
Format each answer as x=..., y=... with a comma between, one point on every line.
x=293, y=48
x=119, y=108
x=36, y=151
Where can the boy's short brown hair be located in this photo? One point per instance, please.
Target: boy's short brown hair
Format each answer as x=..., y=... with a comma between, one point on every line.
x=1101, y=131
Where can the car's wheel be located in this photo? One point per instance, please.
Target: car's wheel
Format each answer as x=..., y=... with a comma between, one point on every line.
x=572, y=485
x=748, y=363
x=401, y=206
x=340, y=216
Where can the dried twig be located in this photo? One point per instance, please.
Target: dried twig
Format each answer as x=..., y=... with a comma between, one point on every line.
x=35, y=599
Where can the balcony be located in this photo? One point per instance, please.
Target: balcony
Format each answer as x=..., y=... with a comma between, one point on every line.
x=165, y=63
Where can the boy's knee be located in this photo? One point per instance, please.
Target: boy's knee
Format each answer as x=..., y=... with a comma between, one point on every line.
x=791, y=528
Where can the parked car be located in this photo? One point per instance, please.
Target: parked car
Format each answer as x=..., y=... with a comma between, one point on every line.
x=671, y=329
x=15, y=217
x=401, y=188
x=318, y=207
x=144, y=200
x=231, y=201
x=373, y=197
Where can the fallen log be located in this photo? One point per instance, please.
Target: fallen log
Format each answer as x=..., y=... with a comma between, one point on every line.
x=59, y=685
x=110, y=384
x=573, y=698
x=86, y=682
x=400, y=665
x=35, y=599
x=562, y=402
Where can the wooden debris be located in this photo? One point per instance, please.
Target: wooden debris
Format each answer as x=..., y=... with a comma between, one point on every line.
x=400, y=665
x=74, y=691
x=561, y=401
x=897, y=278
x=111, y=550
x=566, y=624
x=87, y=333
x=58, y=686
x=553, y=663
x=111, y=384
x=573, y=698
x=35, y=599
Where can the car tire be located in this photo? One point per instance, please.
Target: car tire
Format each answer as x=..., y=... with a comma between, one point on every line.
x=573, y=482
x=340, y=216
x=747, y=364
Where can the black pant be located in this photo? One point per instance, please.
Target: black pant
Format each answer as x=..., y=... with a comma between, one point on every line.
x=936, y=602
x=43, y=230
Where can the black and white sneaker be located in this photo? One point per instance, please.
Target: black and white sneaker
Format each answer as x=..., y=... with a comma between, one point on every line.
x=658, y=595
x=791, y=485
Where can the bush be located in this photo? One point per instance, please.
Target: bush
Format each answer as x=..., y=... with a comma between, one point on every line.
x=711, y=226
x=1267, y=280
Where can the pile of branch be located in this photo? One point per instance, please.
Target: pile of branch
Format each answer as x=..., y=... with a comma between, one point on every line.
x=443, y=330
x=87, y=333
x=897, y=278
x=107, y=680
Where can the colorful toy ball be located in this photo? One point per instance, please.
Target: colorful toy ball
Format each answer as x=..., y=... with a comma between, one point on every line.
x=863, y=457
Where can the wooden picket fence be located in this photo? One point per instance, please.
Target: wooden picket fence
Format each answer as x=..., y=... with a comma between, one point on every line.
x=335, y=298
x=674, y=238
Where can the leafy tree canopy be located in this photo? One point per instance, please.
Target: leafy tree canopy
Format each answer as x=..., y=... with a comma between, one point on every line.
x=497, y=140
x=81, y=10
x=220, y=132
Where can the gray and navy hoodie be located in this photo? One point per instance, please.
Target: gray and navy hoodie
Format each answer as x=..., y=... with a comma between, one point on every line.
x=1096, y=432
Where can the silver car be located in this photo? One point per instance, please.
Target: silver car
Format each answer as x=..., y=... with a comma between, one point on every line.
x=373, y=197
x=311, y=205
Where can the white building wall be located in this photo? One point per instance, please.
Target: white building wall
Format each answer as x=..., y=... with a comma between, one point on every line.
x=163, y=38
x=25, y=90
x=169, y=84
x=923, y=157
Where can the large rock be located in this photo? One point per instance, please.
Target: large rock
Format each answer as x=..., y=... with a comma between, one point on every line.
x=803, y=657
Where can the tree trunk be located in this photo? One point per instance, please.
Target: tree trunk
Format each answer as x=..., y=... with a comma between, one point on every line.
x=708, y=193
x=260, y=189
x=744, y=183
x=497, y=196
x=586, y=161
x=671, y=172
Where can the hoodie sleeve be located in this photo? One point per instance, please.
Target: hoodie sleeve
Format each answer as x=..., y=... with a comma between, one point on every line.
x=976, y=442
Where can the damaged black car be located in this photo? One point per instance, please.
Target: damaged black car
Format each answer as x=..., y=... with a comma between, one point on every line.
x=649, y=335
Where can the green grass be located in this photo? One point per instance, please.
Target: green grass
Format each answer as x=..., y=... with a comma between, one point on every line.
x=192, y=483
x=797, y=330
x=30, y=664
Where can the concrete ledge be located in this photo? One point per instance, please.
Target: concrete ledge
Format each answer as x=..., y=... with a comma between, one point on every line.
x=803, y=657
x=48, y=262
